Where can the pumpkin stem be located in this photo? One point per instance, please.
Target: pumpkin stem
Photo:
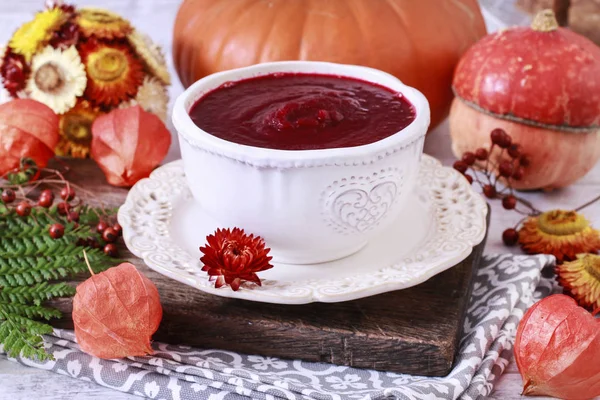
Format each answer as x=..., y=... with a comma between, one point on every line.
x=545, y=21
x=87, y=262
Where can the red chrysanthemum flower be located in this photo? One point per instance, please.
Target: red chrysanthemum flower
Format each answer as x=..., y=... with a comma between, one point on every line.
x=14, y=72
x=232, y=257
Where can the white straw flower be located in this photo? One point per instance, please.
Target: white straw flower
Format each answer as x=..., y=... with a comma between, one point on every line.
x=57, y=78
x=152, y=96
x=151, y=54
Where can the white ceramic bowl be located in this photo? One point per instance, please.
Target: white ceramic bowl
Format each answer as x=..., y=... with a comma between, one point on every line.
x=310, y=206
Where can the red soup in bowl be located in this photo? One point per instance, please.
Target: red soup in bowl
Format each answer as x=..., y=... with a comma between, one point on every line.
x=296, y=111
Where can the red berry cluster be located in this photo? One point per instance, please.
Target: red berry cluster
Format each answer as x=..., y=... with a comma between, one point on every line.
x=45, y=200
x=68, y=208
x=489, y=170
x=109, y=234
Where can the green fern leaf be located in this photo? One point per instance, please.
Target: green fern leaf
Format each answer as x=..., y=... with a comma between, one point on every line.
x=21, y=335
x=29, y=260
x=35, y=294
x=29, y=311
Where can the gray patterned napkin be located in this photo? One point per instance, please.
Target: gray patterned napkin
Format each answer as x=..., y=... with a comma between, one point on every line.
x=504, y=287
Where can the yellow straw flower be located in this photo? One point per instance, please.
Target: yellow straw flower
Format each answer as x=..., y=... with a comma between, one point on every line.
x=581, y=278
x=32, y=35
x=563, y=234
x=76, y=130
x=114, y=74
x=102, y=23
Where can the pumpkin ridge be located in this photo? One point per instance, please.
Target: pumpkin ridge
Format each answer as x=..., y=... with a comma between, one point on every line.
x=358, y=23
x=266, y=35
x=238, y=16
x=397, y=10
x=476, y=93
x=461, y=6
x=300, y=46
x=472, y=32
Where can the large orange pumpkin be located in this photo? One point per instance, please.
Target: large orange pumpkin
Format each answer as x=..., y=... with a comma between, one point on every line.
x=418, y=41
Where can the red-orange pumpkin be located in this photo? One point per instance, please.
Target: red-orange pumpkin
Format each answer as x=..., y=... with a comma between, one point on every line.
x=540, y=84
x=418, y=41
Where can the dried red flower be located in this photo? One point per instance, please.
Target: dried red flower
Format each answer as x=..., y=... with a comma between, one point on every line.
x=14, y=72
x=232, y=257
x=68, y=35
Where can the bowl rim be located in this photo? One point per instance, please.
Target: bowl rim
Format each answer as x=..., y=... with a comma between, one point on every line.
x=265, y=157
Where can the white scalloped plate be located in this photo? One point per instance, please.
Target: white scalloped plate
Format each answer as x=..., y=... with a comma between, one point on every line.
x=444, y=219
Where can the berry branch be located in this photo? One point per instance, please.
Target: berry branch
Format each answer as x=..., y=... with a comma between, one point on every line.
x=589, y=203
x=20, y=186
x=495, y=171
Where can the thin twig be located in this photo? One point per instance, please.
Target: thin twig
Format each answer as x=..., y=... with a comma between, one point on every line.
x=49, y=216
x=526, y=214
x=528, y=204
x=505, y=189
x=589, y=203
x=521, y=221
x=476, y=177
x=487, y=161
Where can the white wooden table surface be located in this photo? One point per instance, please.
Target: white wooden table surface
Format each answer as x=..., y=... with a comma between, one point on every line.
x=156, y=18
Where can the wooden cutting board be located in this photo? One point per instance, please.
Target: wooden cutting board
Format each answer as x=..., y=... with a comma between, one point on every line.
x=413, y=331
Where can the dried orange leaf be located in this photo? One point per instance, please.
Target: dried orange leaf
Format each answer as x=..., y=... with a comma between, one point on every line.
x=27, y=129
x=116, y=313
x=128, y=144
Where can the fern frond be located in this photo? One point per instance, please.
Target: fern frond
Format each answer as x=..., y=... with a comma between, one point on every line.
x=29, y=311
x=35, y=294
x=42, y=244
x=20, y=335
x=36, y=224
x=28, y=270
